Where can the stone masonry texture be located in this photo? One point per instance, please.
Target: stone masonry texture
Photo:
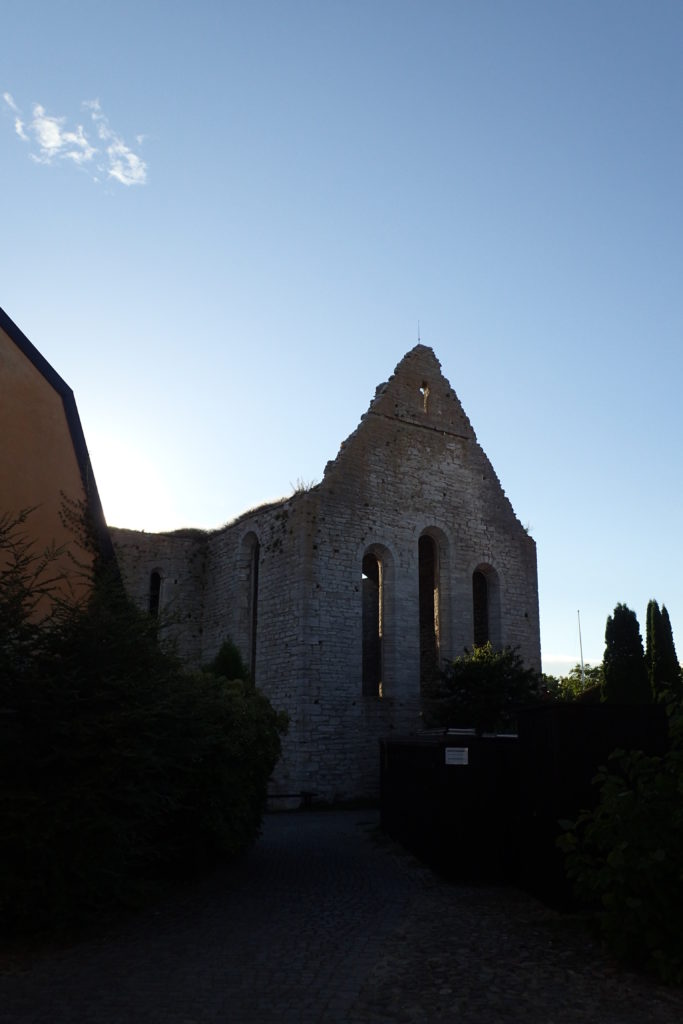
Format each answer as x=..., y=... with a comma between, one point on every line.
x=284, y=581
x=327, y=922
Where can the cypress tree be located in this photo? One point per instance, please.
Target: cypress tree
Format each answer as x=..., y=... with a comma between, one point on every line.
x=624, y=668
x=653, y=646
x=670, y=680
x=663, y=669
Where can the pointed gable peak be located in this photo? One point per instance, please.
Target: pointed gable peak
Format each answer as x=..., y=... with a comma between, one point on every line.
x=420, y=349
x=417, y=392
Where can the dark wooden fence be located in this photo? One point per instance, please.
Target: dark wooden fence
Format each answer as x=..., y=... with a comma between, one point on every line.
x=451, y=799
x=561, y=749
x=487, y=808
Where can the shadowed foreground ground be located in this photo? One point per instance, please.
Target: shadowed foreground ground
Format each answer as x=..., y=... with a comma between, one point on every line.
x=327, y=922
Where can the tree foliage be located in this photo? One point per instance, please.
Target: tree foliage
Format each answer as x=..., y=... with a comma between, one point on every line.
x=575, y=686
x=624, y=857
x=663, y=668
x=624, y=669
x=483, y=689
x=119, y=769
x=229, y=663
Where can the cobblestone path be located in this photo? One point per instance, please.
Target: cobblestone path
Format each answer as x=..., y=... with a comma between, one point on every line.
x=324, y=923
x=290, y=934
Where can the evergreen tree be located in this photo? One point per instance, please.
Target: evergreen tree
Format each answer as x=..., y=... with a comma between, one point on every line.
x=670, y=681
x=653, y=645
x=624, y=668
x=663, y=668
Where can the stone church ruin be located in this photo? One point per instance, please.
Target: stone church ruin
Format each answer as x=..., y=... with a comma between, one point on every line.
x=343, y=598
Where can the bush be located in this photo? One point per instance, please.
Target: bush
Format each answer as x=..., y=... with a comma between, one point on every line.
x=229, y=663
x=582, y=683
x=625, y=858
x=483, y=690
x=126, y=770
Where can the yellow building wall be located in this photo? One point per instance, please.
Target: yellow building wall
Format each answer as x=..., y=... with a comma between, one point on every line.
x=37, y=459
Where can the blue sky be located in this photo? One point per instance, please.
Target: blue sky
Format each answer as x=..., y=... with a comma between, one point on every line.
x=223, y=221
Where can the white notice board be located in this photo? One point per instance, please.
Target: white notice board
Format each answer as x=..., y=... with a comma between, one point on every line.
x=457, y=755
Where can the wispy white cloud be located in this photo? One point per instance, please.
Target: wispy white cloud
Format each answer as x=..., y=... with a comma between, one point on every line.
x=54, y=141
x=126, y=166
x=18, y=123
x=50, y=139
x=122, y=163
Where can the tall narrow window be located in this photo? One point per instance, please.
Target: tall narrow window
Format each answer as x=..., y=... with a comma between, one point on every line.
x=371, y=587
x=253, y=605
x=154, y=593
x=429, y=608
x=480, y=608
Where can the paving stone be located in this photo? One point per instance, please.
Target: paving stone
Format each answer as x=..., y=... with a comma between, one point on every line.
x=326, y=922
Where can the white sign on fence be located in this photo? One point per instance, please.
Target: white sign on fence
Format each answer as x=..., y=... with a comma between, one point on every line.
x=457, y=755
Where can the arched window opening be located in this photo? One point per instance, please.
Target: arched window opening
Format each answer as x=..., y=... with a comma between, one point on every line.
x=154, y=593
x=480, y=607
x=486, y=604
x=429, y=608
x=253, y=604
x=371, y=588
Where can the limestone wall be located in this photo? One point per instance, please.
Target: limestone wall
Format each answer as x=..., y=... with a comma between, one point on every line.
x=405, y=472
x=180, y=562
x=285, y=581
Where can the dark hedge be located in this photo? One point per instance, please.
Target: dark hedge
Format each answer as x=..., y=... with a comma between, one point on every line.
x=119, y=770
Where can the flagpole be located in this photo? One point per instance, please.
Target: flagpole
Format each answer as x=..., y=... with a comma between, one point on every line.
x=583, y=674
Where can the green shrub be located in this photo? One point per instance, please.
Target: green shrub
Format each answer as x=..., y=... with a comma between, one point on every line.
x=625, y=859
x=483, y=689
x=581, y=684
x=229, y=663
x=119, y=769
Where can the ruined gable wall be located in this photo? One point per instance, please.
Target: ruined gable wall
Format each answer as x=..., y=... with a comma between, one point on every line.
x=405, y=470
x=441, y=472
x=413, y=465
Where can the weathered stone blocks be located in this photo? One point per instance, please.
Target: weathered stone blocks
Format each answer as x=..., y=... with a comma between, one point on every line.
x=284, y=581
